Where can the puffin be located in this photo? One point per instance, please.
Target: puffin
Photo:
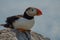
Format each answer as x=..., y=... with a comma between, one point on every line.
x=23, y=22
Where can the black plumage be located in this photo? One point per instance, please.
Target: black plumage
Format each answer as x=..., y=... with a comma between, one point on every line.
x=27, y=16
x=9, y=21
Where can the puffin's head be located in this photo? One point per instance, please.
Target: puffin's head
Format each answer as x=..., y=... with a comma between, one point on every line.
x=31, y=11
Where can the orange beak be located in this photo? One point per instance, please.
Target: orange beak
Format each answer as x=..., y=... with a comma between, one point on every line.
x=39, y=12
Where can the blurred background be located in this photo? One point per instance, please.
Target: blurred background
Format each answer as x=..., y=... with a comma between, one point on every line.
x=48, y=24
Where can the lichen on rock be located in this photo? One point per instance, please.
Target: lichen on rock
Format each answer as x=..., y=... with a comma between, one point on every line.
x=13, y=34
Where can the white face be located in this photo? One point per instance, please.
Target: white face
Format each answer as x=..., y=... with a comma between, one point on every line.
x=31, y=12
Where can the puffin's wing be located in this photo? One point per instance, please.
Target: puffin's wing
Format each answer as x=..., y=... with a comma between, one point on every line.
x=11, y=19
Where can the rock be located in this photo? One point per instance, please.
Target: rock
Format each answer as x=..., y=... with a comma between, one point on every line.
x=13, y=34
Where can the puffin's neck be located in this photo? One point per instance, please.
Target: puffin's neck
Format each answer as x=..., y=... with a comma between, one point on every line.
x=27, y=16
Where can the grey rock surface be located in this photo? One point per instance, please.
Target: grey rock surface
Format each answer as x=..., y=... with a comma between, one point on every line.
x=13, y=34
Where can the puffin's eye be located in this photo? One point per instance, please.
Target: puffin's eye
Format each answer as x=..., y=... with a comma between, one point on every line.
x=32, y=9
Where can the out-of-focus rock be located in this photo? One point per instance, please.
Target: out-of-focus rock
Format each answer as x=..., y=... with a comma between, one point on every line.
x=13, y=34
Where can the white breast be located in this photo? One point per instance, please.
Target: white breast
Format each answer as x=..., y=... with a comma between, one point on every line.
x=24, y=23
